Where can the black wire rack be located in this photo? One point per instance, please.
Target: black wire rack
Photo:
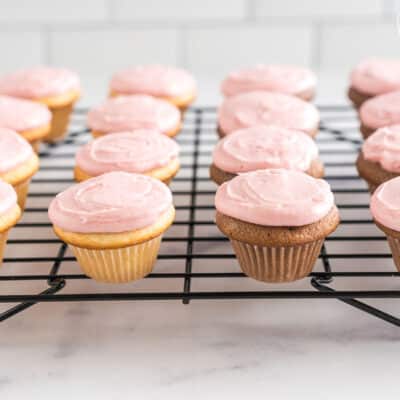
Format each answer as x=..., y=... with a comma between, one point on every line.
x=196, y=262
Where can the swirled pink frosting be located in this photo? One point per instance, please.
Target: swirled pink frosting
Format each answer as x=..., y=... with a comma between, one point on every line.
x=39, y=82
x=112, y=202
x=261, y=147
x=383, y=147
x=14, y=150
x=381, y=110
x=154, y=80
x=275, y=197
x=267, y=108
x=21, y=115
x=138, y=151
x=126, y=113
x=385, y=204
x=287, y=79
x=376, y=76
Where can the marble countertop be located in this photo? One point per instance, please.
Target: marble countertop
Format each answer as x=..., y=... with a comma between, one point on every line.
x=206, y=350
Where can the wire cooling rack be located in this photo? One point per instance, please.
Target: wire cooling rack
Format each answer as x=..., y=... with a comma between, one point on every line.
x=196, y=262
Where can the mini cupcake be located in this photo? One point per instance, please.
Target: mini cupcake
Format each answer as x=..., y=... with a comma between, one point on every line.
x=114, y=224
x=127, y=113
x=373, y=77
x=9, y=213
x=261, y=147
x=379, y=158
x=267, y=108
x=57, y=88
x=277, y=221
x=385, y=209
x=29, y=119
x=18, y=163
x=169, y=83
x=379, y=112
x=288, y=79
x=142, y=151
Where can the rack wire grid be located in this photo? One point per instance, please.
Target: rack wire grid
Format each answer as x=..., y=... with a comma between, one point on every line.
x=196, y=262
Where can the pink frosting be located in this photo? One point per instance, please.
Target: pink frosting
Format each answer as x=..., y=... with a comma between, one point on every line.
x=138, y=151
x=113, y=202
x=14, y=150
x=376, y=76
x=383, y=147
x=261, y=147
x=21, y=115
x=381, y=110
x=275, y=197
x=39, y=82
x=155, y=80
x=267, y=108
x=287, y=79
x=126, y=113
x=8, y=197
x=385, y=204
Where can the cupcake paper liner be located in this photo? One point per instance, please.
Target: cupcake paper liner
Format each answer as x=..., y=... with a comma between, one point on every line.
x=22, y=192
x=59, y=123
x=394, y=244
x=277, y=264
x=119, y=265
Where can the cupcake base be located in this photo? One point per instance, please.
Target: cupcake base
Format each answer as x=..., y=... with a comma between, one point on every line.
x=357, y=97
x=119, y=265
x=3, y=242
x=22, y=192
x=59, y=123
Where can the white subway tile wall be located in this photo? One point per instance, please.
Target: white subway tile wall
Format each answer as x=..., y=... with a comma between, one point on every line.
x=210, y=36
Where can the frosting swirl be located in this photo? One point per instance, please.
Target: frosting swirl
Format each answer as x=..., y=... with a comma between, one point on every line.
x=8, y=197
x=287, y=79
x=22, y=115
x=261, y=147
x=124, y=113
x=138, y=151
x=154, y=80
x=14, y=150
x=275, y=197
x=267, y=108
x=376, y=76
x=381, y=110
x=385, y=205
x=383, y=147
x=39, y=82
x=113, y=202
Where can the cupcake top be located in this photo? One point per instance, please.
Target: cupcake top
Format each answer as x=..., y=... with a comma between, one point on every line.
x=287, y=79
x=14, y=150
x=381, y=110
x=139, y=151
x=126, y=113
x=376, y=76
x=275, y=197
x=39, y=82
x=8, y=197
x=267, y=108
x=385, y=204
x=383, y=147
x=261, y=147
x=113, y=202
x=22, y=115
x=154, y=80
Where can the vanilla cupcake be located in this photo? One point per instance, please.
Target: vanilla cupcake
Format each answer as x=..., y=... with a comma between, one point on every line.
x=57, y=88
x=267, y=108
x=276, y=220
x=289, y=79
x=9, y=213
x=114, y=223
x=29, y=119
x=18, y=163
x=127, y=113
x=165, y=82
x=261, y=147
x=143, y=151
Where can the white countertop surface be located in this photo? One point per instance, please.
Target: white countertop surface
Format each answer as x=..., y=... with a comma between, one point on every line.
x=311, y=349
